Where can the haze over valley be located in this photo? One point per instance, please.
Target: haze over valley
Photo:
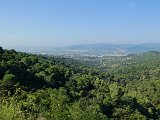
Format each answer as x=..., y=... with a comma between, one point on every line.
x=94, y=50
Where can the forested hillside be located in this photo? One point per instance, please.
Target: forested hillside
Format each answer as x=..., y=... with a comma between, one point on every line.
x=35, y=87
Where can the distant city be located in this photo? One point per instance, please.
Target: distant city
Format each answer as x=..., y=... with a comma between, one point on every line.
x=93, y=50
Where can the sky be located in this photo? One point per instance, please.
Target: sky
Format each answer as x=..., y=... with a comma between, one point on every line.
x=55, y=23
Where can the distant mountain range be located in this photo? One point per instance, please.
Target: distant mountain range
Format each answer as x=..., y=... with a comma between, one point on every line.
x=111, y=49
x=98, y=49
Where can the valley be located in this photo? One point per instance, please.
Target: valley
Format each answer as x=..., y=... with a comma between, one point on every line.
x=71, y=88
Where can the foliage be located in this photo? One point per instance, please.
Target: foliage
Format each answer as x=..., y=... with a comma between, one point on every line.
x=44, y=87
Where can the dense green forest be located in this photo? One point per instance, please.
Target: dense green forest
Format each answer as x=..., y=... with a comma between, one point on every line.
x=36, y=87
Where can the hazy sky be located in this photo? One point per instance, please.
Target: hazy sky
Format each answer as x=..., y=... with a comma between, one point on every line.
x=69, y=22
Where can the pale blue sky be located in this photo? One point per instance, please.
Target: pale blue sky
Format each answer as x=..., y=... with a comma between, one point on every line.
x=68, y=22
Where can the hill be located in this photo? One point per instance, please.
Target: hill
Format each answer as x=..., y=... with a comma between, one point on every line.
x=100, y=49
x=38, y=87
x=111, y=49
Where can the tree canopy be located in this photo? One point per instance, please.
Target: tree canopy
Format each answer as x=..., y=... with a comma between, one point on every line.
x=48, y=87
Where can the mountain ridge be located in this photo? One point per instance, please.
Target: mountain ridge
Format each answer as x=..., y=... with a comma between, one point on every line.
x=106, y=49
x=111, y=49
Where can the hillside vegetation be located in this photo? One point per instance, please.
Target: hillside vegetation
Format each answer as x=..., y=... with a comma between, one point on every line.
x=34, y=87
